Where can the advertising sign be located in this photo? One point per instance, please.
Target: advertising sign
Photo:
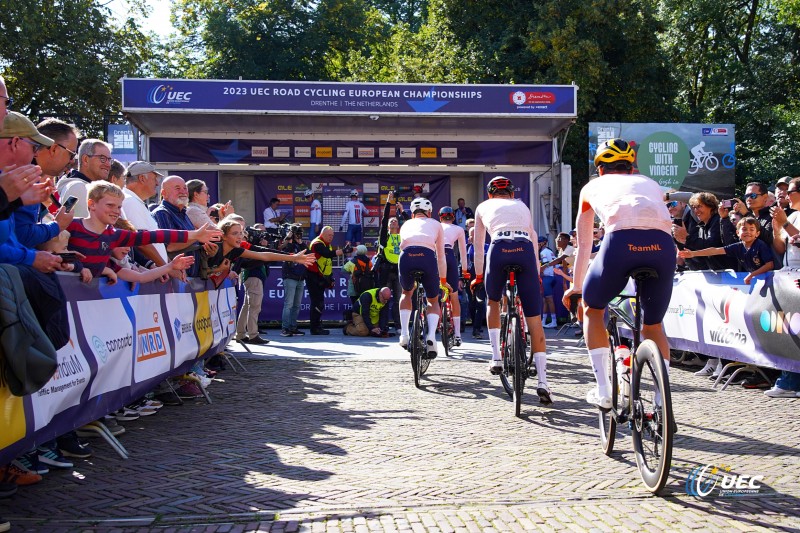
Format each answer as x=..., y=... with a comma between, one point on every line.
x=688, y=157
x=123, y=141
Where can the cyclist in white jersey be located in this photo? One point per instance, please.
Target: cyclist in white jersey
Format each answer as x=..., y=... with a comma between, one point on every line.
x=638, y=234
x=454, y=236
x=422, y=248
x=513, y=243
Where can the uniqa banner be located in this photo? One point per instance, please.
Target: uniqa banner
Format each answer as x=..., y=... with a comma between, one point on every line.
x=689, y=157
x=124, y=340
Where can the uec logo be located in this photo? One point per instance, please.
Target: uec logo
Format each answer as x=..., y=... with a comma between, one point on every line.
x=166, y=93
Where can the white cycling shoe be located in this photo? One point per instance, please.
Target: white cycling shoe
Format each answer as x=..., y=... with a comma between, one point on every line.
x=432, y=349
x=403, y=339
x=594, y=398
x=496, y=367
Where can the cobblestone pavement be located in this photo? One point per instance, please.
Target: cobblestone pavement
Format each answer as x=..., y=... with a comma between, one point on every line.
x=350, y=445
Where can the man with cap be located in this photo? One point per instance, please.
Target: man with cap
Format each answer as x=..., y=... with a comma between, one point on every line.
x=94, y=163
x=370, y=315
x=781, y=196
x=141, y=182
x=353, y=217
x=314, y=211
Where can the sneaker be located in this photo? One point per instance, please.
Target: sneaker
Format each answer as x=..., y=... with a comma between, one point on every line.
x=189, y=390
x=320, y=331
x=144, y=410
x=756, y=381
x=5, y=525
x=14, y=473
x=544, y=393
x=168, y=398
x=30, y=461
x=403, y=339
x=286, y=333
x=70, y=446
x=594, y=398
x=255, y=340
x=777, y=392
x=707, y=370
x=432, y=350
x=550, y=325
x=457, y=341
x=693, y=360
x=496, y=367
x=126, y=415
x=297, y=332
x=111, y=424
x=52, y=457
x=7, y=490
x=156, y=404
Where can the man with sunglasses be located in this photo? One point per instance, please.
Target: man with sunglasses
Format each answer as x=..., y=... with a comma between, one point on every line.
x=94, y=163
x=754, y=205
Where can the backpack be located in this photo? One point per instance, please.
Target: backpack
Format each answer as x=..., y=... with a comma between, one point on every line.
x=363, y=276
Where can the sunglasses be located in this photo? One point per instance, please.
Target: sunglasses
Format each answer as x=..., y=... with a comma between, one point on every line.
x=9, y=101
x=790, y=191
x=752, y=195
x=72, y=155
x=672, y=204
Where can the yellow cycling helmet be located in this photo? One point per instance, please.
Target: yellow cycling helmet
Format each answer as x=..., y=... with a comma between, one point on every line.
x=614, y=150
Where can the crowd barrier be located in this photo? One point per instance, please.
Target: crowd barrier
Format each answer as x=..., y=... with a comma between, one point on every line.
x=715, y=313
x=124, y=340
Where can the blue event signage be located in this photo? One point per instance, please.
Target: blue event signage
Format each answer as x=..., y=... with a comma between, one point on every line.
x=348, y=98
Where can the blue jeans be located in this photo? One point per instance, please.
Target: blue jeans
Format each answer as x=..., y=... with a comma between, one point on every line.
x=789, y=381
x=292, y=296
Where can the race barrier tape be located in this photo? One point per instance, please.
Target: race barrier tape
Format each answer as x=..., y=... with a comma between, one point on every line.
x=124, y=340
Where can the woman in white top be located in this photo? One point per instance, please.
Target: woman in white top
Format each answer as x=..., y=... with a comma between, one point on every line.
x=421, y=249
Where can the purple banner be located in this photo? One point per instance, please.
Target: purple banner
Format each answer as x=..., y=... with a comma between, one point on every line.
x=335, y=191
x=348, y=98
x=336, y=299
x=193, y=150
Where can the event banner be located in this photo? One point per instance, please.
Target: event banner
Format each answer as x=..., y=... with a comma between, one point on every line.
x=348, y=98
x=124, y=339
x=335, y=192
x=337, y=303
x=123, y=142
x=688, y=157
x=716, y=314
x=165, y=150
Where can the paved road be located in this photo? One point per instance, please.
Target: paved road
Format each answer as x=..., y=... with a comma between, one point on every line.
x=345, y=443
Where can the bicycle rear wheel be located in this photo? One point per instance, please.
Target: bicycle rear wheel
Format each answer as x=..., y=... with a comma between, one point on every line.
x=447, y=332
x=607, y=419
x=507, y=375
x=517, y=349
x=415, y=346
x=652, y=416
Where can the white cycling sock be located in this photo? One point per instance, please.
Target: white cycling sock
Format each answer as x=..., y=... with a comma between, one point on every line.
x=599, y=358
x=433, y=321
x=494, y=339
x=553, y=318
x=540, y=360
x=405, y=316
x=457, y=324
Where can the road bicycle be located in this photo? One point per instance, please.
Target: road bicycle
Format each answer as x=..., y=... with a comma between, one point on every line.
x=446, y=322
x=418, y=332
x=647, y=408
x=513, y=344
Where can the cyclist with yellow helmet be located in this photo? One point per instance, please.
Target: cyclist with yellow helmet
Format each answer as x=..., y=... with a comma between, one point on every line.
x=638, y=234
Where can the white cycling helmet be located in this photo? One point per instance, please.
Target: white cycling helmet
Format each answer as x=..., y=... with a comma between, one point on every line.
x=353, y=192
x=308, y=193
x=421, y=203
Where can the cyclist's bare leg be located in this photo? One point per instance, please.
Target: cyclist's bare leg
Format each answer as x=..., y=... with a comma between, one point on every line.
x=655, y=333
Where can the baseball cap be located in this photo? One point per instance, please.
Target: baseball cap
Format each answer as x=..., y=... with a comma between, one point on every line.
x=361, y=250
x=784, y=180
x=17, y=125
x=354, y=192
x=137, y=168
x=542, y=238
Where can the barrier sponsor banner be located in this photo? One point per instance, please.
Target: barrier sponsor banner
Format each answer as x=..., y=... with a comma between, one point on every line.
x=716, y=314
x=124, y=340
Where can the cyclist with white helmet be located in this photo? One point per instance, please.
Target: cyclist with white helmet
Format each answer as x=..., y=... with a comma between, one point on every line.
x=314, y=212
x=638, y=234
x=454, y=236
x=353, y=217
x=422, y=249
x=513, y=243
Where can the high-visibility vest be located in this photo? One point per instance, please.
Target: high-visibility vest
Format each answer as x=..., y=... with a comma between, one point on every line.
x=324, y=264
x=392, y=249
x=374, y=307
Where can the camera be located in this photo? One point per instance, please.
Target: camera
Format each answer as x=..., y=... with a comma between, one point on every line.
x=295, y=231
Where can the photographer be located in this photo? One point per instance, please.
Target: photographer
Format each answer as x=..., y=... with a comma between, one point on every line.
x=320, y=276
x=293, y=285
x=370, y=316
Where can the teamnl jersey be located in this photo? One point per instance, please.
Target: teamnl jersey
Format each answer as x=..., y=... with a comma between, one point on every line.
x=427, y=233
x=502, y=218
x=626, y=201
x=455, y=234
x=354, y=212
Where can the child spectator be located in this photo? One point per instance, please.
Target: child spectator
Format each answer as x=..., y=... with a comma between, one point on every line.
x=95, y=236
x=135, y=273
x=752, y=255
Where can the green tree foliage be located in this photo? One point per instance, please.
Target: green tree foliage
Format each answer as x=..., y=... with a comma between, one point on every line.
x=65, y=57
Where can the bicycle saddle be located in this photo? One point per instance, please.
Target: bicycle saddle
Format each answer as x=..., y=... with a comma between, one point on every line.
x=643, y=273
x=512, y=268
x=417, y=273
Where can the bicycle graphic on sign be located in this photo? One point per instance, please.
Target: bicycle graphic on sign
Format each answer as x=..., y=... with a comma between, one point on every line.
x=702, y=159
